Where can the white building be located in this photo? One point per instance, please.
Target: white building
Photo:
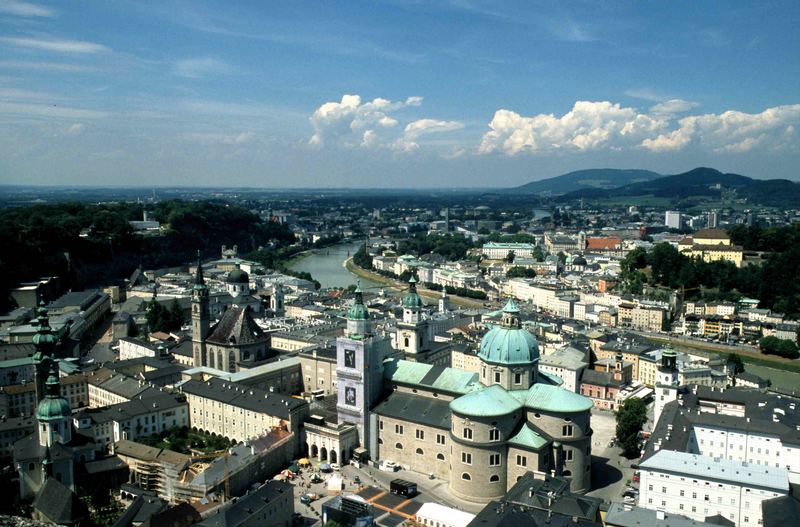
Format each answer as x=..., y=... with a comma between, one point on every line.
x=435, y=515
x=499, y=251
x=673, y=219
x=698, y=486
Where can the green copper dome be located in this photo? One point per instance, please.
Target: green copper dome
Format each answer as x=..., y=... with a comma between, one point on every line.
x=54, y=406
x=509, y=343
x=412, y=300
x=358, y=311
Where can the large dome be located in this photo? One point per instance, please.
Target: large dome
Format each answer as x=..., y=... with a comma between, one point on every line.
x=509, y=343
x=237, y=276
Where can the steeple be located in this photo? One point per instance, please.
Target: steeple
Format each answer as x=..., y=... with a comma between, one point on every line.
x=511, y=315
x=53, y=413
x=412, y=303
x=45, y=342
x=199, y=281
x=201, y=319
x=358, y=315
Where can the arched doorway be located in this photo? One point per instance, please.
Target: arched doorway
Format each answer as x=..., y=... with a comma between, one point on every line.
x=314, y=451
x=323, y=454
x=333, y=456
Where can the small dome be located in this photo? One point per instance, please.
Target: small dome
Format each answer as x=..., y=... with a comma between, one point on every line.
x=412, y=299
x=237, y=276
x=53, y=409
x=358, y=311
x=579, y=260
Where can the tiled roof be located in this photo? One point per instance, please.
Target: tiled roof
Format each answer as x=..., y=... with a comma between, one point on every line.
x=237, y=327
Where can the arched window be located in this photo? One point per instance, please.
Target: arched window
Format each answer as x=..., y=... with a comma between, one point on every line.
x=406, y=342
x=519, y=478
x=567, y=473
x=494, y=478
x=419, y=451
x=398, y=446
x=466, y=476
x=440, y=456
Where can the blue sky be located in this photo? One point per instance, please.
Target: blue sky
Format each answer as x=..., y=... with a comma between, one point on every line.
x=393, y=94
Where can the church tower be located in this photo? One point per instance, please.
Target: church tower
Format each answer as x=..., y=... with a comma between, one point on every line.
x=200, y=316
x=412, y=337
x=666, y=382
x=45, y=342
x=276, y=300
x=359, y=369
x=53, y=413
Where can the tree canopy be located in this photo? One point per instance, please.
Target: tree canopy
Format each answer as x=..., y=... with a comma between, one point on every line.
x=631, y=416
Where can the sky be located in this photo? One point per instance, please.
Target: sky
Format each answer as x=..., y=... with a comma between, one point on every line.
x=393, y=94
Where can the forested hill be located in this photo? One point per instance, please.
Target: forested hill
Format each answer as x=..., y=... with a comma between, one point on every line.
x=703, y=181
x=602, y=178
x=46, y=240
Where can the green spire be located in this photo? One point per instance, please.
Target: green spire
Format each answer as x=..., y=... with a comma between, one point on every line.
x=199, y=281
x=511, y=307
x=44, y=339
x=358, y=311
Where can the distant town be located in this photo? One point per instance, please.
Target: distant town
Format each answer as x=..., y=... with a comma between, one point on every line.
x=359, y=358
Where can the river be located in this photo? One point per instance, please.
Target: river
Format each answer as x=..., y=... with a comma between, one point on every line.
x=327, y=266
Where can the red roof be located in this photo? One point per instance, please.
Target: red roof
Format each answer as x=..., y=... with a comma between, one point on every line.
x=599, y=244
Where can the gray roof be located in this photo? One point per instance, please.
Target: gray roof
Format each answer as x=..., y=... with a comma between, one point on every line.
x=58, y=503
x=237, y=327
x=239, y=512
x=631, y=516
x=243, y=396
x=132, y=409
x=784, y=510
x=79, y=299
x=716, y=469
x=428, y=411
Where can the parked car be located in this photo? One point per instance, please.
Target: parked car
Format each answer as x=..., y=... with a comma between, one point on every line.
x=389, y=466
x=628, y=499
x=636, y=476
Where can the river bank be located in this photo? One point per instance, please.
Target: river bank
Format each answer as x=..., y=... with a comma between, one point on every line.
x=396, y=285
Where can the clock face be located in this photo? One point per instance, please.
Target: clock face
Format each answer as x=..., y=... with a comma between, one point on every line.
x=350, y=396
x=349, y=358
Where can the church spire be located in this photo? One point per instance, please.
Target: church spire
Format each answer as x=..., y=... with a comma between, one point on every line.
x=45, y=342
x=199, y=281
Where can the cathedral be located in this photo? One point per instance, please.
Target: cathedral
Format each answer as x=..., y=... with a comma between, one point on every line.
x=235, y=342
x=480, y=432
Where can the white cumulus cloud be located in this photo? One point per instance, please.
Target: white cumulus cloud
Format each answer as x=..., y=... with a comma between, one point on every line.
x=588, y=126
x=606, y=126
x=730, y=131
x=352, y=123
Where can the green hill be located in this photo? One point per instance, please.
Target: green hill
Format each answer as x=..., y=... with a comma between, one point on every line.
x=599, y=178
x=702, y=181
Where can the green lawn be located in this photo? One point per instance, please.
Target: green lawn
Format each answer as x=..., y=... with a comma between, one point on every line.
x=186, y=441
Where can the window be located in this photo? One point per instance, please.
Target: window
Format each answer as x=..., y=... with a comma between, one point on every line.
x=494, y=460
x=466, y=458
x=517, y=378
x=439, y=439
x=398, y=446
x=497, y=376
x=440, y=456
x=419, y=452
x=681, y=493
x=568, y=455
x=664, y=490
x=566, y=430
x=380, y=425
x=466, y=476
x=494, y=478
x=467, y=433
x=522, y=461
x=398, y=429
x=420, y=434
x=494, y=434
x=680, y=506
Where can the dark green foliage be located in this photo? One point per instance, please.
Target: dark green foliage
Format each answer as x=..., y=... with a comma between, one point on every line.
x=160, y=318
x=520, y=272
x=362, y=258
x=510, y=257
x=451, y=246
x=735, y=363
x=183, y=440
x=780, y=347
x=631, y=416
x=89, y=245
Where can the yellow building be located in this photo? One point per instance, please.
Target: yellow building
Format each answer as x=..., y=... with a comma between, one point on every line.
x=711, y=245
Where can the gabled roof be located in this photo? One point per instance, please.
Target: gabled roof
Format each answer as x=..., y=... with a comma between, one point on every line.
x=437, y=378
x=58, y=503
x=237, y=327
x=528, y=438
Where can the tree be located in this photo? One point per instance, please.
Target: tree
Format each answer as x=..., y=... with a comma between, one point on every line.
x=781, y=347
x=520, y=272
x=538, y=253
x=510, y=257
x=735, y=363
x=631, y=416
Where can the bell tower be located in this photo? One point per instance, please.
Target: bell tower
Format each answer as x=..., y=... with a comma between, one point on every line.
x=200, y=316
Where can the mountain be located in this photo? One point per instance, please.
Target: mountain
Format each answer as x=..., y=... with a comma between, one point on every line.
x=702, y=181
x=602, y=178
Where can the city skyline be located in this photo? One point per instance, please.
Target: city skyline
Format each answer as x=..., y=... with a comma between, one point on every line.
x=395, y=95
